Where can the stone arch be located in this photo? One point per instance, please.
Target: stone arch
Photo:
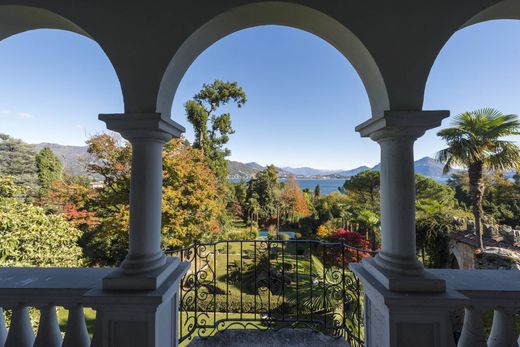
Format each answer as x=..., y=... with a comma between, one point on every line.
x=504, y=9
x=275, y=13
x=15, y=19
x=463, y=254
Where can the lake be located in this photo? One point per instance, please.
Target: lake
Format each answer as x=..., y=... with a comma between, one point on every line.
x=326, y=186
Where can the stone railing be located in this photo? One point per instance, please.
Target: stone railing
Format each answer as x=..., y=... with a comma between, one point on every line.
x=485, y=290
x=45, y=289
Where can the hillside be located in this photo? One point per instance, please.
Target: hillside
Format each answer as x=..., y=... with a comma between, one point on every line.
x=74, y=158
x=425, y=166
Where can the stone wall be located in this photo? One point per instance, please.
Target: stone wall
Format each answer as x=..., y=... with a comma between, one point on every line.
x=494, y=258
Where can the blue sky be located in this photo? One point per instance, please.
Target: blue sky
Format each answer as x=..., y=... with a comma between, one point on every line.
x=304, y=97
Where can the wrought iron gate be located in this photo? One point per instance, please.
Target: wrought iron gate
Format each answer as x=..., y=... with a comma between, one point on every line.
x=271, y=284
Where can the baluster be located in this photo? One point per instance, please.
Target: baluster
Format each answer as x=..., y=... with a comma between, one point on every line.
x=473, y=330
x=76, y=334
x=97, y=337
x=49, y=334
x=502, y=331
x=20, y=332
x=3, y=330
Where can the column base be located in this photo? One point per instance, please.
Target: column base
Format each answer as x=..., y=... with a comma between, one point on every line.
x=120, y=280
x=424, y=282
x=133, y=318
x=396, y=319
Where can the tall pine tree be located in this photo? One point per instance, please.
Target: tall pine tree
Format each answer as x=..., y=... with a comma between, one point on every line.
x=49, y=169
x=17, y=159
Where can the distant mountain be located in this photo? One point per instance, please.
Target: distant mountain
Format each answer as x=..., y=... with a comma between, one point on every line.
x=349, y=173
x=307, y=171
x=429, y=167
x=255, y=166
x=238, y=170
x=74, y=158
x=426, y=166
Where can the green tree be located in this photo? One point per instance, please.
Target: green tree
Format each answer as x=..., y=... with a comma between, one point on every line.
x=476, y=142
x=30, y=237
x=294, y=200
x=17, y=159
x=49, y=169
x=266, y=189
x=192, y=205
x=364, y=188
x=211, y=130
x=317, y=191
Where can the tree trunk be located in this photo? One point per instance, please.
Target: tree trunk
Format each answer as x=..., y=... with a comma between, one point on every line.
x=476, y=190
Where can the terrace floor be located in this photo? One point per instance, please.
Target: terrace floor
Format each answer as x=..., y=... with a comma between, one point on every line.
x=259, y=338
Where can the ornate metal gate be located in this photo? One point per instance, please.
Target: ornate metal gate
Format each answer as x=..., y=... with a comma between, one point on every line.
x=271, y=284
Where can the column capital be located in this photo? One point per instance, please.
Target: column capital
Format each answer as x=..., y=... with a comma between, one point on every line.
x=143, y=125
x=392, y=124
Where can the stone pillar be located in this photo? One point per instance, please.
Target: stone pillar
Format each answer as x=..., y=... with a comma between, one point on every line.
x=138, y=302
x=145, y=266
x=405, y=305
x=396, y=266
x=138, y=318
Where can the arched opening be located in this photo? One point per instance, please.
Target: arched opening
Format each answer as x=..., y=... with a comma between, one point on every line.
x=275, y=13
x=57, y=79
x=18, y=19
x=478, y=67
x=298, y=87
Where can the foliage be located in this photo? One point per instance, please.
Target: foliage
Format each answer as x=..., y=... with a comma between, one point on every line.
x=294, y=202
x=476, y=142
x=192, y=205
x=72, y=197
x=501, y=201
x=334, y=207
x=8, y=188
x=212, y=131
x=432, y=231
x=264, y=194
x=325, y=230
x=192, y=208
x=107, y=242
x=350, y=239
x=17, y=159
x=29, y=237
x=49, y=169
x=364, y=188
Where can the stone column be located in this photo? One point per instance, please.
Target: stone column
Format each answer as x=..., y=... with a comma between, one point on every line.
x=396, y=266
x=145, y=266
x=405, y=305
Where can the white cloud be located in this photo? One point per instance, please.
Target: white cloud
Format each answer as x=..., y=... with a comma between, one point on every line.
x=24, y=115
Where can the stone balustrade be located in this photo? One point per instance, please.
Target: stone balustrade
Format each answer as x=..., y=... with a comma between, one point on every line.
x=45, y=289
x=485, y=290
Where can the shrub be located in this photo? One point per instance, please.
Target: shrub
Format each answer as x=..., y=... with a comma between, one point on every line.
x=283, y=237
x=29, y=237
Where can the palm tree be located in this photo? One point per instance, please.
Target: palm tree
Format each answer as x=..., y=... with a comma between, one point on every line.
x=475, y=141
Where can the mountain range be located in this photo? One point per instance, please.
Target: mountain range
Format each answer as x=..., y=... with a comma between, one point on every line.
x=425, y=166
x=76, y=158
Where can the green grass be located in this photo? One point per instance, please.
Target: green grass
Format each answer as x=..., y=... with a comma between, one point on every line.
x=90, y=318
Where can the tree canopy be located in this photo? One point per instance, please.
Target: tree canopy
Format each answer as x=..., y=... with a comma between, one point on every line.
x=477, y=142
x=212, y=130
x=30, y=237
x=49, y=168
